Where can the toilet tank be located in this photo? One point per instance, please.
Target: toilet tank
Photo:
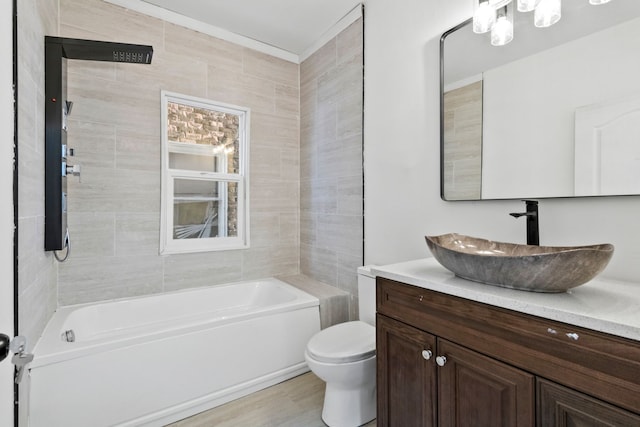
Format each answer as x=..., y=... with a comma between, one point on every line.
x=367, y=295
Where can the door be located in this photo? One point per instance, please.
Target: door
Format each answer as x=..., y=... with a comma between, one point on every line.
x=562, y=407
x=6, y=207
x=406, y=375
x=607, y=153
x=477, y=391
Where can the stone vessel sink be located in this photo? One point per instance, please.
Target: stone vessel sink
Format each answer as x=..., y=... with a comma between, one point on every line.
x=524, y=267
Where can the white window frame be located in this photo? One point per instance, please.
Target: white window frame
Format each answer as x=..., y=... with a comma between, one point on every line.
x=169, y=245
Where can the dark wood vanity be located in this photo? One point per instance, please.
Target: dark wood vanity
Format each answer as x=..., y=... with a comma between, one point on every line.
x=449, y=361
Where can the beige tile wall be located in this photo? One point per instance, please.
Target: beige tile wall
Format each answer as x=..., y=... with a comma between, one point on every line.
x=114, y=214
x=331, y=189
x=115, y=130
x=463, y=142
x=37, y=291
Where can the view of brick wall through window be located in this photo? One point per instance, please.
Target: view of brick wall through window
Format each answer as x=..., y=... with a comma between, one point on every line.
x=206, y=127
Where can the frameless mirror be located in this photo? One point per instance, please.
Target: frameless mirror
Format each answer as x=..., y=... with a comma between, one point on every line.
x=555, y=113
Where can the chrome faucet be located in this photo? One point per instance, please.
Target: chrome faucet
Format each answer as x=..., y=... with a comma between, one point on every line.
x=533, y=230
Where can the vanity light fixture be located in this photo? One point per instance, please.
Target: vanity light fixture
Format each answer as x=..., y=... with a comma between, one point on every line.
x=497, y=16
x=502, y=31
x=484, y=16
x=547, y=13
x=527, y=5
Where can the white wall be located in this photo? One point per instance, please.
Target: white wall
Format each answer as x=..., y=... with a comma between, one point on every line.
x=6, y=208
x=401, y=158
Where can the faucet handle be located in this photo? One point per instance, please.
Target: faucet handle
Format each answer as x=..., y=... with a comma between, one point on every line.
x=533, y=233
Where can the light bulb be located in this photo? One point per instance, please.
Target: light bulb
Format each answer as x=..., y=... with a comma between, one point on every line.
x=547, y=13
x=484, y=16
x=527, y=5
x=502, y=32
x=597, y=2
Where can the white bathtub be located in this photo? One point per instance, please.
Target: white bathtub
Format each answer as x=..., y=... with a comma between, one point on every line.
x=157, y=359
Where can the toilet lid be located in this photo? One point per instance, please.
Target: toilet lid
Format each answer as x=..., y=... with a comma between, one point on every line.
x=344, y=342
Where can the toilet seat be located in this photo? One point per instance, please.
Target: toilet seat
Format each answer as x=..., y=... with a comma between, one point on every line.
x=343, y=343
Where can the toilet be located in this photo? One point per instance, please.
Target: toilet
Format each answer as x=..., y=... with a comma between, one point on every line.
x=344, y=356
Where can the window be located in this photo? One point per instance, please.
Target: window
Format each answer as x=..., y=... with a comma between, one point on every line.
x=205, y=148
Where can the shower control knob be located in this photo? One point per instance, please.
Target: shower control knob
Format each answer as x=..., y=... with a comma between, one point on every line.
x=441, y=360
x=427, y=354
x=73, y=170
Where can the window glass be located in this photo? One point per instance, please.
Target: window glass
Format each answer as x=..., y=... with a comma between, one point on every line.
x=203, y=209
x=205, y=145
x=201, y=133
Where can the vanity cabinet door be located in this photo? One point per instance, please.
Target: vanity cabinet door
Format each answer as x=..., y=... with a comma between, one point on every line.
x=562, y=407
x=405, y=374
x=477, y=391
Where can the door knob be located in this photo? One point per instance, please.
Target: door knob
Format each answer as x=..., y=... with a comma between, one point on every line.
x=441, y=360
x=4, y=346
x=426, y=354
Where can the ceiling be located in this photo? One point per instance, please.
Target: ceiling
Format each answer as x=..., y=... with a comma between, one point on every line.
x=291, y=25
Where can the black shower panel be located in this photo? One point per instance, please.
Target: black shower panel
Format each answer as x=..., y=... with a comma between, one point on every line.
x=57, y=51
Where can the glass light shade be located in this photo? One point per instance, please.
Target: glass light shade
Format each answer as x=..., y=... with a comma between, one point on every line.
x=527, y=5
x=597, y=2
x=502, y=31
x=547, y=13
x=484, y=16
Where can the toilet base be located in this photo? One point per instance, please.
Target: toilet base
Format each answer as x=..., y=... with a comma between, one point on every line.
x=349, y=407
x=350, y=392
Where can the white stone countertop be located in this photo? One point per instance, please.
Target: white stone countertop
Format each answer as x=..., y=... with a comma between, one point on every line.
x=602, y=304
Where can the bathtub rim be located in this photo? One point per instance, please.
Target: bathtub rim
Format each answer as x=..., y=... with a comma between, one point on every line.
x=50, y=348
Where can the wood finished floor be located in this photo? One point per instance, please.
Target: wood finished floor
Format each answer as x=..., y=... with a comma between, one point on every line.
x=293, y=403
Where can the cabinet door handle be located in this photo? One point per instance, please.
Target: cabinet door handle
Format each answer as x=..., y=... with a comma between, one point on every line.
x=427, y=354
x=441, y=360
x=573, y=336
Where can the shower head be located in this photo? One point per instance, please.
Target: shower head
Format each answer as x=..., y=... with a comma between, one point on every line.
x=94, y=50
